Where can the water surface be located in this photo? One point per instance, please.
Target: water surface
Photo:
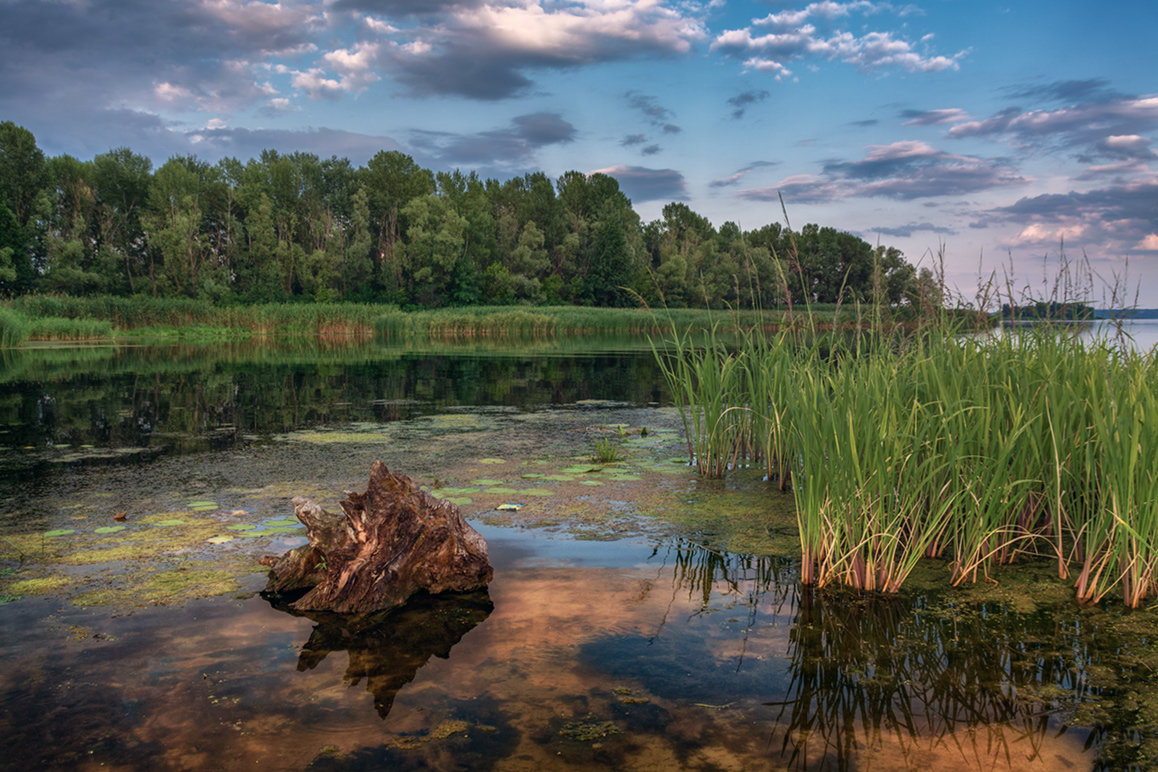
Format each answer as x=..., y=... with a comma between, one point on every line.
x=640, y=618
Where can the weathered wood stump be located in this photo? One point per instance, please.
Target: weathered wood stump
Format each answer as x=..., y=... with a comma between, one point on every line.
x=393, y=541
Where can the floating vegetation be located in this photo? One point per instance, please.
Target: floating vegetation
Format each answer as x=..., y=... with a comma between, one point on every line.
x=219, y=539
x=241, y=527
x=59, y=532
x=38, y=586
x=168, y=523
x=492, y=461
x=109, y=529
x=588, y=730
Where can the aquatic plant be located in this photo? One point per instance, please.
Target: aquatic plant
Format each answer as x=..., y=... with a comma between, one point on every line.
x=13, y=327
x=901, y=445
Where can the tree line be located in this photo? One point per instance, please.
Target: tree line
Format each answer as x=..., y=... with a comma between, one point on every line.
x=294, y=226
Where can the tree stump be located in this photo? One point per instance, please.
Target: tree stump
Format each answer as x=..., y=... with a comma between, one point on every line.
x=393, y=541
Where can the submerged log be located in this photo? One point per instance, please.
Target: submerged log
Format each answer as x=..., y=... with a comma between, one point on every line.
x=391, y=542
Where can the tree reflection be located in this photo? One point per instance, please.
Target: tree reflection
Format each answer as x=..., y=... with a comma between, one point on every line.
x=865, y=672
x=389, y=648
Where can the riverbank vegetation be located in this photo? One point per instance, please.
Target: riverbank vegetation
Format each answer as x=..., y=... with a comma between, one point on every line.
x=57, y=317
x=973, y=450
x=297, y=228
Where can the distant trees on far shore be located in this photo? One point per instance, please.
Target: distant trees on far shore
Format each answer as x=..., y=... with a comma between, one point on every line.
x=294, y=226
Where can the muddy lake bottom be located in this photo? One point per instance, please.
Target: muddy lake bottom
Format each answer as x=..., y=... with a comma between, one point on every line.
x=639, y=618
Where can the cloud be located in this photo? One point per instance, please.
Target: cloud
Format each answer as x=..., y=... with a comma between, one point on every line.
x=1114, y=220
x=742, y=101
x=907, y=230
x=1107, y=125
x=405, y=8
x=516, y=143
x=735, y=177
x=641, y=184
x=933, y=117
x=633, y=139
x=651, y=150
x=75, y=64
x=769, y=44
x=656, y=115
x=486, y=50
x=905, y=170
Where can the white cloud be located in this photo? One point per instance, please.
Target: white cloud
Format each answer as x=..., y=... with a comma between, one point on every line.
x=170, y=92
x=1148, y=244
x=793, y=38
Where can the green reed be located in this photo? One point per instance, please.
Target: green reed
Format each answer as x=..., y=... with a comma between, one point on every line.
x=13, y=328
x=937, y=445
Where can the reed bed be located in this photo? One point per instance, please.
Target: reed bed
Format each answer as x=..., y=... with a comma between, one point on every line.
x=149, y=317
x=13, y=328
x=908, y=446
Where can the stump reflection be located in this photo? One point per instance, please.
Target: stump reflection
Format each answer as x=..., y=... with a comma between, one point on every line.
x=388, y=648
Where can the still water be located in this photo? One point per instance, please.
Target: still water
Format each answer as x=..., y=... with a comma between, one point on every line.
x=628, y=625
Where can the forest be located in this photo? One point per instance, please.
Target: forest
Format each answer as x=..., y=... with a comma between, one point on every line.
x=296, y=227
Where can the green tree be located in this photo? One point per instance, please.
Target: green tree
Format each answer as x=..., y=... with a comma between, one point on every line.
x=121, y=180
x=392, y=180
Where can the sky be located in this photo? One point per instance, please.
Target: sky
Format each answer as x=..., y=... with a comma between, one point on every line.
x=989, y=138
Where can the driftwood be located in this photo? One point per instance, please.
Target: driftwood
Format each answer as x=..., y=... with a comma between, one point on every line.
x=391, y=542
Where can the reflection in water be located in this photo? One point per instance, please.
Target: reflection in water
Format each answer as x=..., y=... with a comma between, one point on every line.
x=387, y=649
x=108, y=405
x=861, y=676
x=617, y=655
x=863, y=669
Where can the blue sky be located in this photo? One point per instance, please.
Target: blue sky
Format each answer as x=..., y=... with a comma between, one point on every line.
x=989, y=132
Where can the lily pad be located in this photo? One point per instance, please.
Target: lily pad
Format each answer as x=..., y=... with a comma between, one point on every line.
x=492, y=461
x=592, y=483
x=487, y=481
x=169, y=523
x=219, y=539
x=581, y=469
x=502, y=491
x=290, y=521
x=60, y=532
x=254, y=533
x=447, y=492
x=109, y=529
x=537, y=492
x=459, y=501
x=559, y=477
x=203, y=505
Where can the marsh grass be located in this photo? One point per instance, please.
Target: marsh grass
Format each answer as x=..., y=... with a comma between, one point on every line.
x=61, y=317
x=903, y=444
x=13, y=328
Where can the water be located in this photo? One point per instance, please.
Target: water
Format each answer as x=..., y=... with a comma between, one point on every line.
x=620, y=632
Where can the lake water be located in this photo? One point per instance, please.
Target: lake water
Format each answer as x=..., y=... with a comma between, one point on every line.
x=639, y=618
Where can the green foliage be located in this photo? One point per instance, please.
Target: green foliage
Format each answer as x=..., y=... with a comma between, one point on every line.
x=14, y=327
x=296, y=227
x=940, y=445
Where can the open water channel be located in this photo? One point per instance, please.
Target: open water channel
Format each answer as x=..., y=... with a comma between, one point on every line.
x=639, y=617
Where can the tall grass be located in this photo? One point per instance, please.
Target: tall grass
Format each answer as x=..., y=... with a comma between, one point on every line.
x=190, y=319
x=902, y=447
x=13, y=328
